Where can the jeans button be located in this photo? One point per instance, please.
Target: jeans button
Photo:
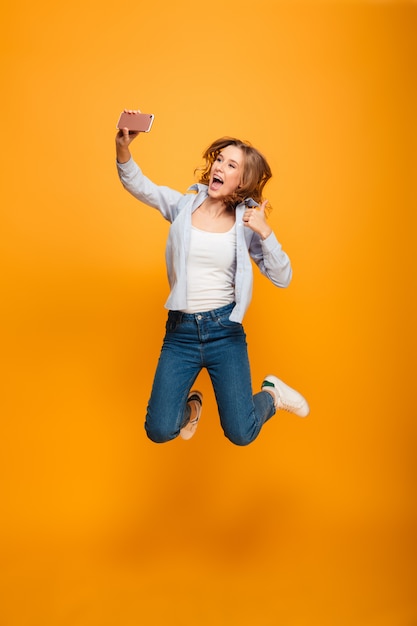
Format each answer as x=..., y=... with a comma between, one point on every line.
x=199, y=317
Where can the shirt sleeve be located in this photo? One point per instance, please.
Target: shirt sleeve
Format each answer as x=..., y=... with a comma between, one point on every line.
x=271, y=259
x=165, y=199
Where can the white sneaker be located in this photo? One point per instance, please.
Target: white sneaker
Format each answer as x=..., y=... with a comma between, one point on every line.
x=189, y=429
x=286, y=398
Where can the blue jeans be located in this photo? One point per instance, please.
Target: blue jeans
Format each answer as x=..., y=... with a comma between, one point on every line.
x=206, y=340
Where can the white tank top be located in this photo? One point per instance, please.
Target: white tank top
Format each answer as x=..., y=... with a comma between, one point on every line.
x=211, y=268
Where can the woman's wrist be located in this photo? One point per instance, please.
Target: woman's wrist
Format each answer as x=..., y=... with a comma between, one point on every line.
x=122, y=155
x=265, y=233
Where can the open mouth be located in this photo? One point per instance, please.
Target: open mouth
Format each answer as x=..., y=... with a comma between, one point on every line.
x=217, y=182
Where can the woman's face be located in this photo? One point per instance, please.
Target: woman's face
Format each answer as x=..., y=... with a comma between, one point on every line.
x=226, y=172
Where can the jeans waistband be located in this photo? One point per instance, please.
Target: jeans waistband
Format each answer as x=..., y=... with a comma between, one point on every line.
x=213, y=314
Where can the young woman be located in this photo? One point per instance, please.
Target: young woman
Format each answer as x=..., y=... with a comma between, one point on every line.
x=215, y=231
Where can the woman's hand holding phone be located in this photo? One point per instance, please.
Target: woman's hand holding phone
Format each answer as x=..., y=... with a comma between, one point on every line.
x=125, y=136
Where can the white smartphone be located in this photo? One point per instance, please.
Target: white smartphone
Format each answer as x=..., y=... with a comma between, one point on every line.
x=136, y=122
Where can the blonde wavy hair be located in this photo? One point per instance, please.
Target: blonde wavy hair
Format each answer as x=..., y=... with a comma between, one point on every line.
x=256, y=171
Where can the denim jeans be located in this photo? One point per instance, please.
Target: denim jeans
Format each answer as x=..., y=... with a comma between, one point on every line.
x=206, y=340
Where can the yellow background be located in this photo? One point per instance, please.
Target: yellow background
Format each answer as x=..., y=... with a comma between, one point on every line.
x=314, y=523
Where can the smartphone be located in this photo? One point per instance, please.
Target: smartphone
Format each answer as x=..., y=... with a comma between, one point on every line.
x=136, y=122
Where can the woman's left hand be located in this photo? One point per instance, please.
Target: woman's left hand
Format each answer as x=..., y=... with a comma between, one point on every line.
x=255, y=219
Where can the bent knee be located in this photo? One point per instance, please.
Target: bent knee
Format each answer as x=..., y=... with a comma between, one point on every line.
x=240, y=439
x=159, y=434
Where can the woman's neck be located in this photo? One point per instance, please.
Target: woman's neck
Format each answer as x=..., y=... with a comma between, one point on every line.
x=213, y=207
x=213, y=216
